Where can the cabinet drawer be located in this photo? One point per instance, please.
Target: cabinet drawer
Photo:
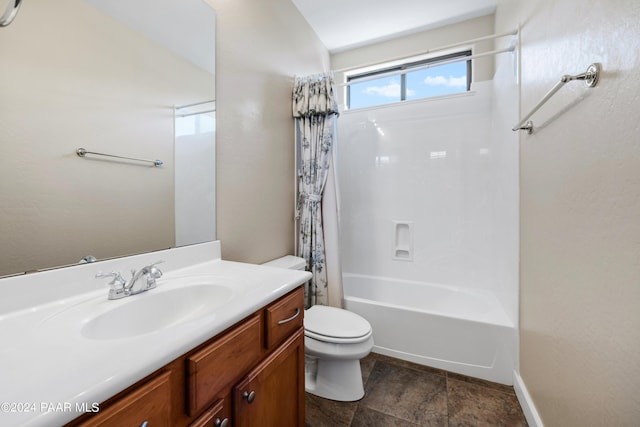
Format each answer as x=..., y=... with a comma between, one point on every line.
x=150, y=402
x=225, y=360
x=213, y=417
x=283, y=317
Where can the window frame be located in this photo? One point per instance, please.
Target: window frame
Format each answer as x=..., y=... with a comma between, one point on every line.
x=404, y=68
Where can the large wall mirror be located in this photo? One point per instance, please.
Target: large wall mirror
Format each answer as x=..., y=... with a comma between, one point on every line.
x=131, y=78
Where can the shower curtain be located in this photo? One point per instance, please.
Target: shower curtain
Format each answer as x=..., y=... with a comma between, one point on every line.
x=315, y=110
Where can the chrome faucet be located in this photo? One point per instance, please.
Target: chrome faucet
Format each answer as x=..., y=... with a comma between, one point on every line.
x=119, y=288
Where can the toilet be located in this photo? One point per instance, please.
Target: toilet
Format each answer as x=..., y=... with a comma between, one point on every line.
x=334, y=342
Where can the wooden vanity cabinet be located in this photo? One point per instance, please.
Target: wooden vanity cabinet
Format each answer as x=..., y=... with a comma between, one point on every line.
x=212, y=385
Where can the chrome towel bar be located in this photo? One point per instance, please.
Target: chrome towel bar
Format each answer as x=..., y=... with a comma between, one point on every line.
x=590, y=78
x=10, y=12
x=81, y=152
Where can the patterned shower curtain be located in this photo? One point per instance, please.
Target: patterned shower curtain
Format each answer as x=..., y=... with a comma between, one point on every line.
x=315, y=109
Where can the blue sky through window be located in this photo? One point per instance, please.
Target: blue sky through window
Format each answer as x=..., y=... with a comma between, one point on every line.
x=375, y=92
x=436, y=81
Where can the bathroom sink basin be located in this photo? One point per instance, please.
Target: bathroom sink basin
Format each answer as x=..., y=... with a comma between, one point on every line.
x=156, y=310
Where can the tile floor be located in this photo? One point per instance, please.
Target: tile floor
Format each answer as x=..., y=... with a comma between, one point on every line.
x=403, y=394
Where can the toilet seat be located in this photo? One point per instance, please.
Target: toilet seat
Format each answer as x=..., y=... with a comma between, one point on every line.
x=335, y=325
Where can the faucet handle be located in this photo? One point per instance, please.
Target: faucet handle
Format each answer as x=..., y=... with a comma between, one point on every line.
x=154, y=271
x=117, y=288
x=117, y=278
x=148, y=268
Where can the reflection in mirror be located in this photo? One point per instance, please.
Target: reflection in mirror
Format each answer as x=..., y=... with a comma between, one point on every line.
x=108, y=76
x=195, y=173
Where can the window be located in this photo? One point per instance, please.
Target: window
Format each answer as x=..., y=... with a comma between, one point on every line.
x=411, y=80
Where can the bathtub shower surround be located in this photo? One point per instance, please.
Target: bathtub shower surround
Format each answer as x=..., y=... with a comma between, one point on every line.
x=423, y=220
x=424, y=162
x=459, y=330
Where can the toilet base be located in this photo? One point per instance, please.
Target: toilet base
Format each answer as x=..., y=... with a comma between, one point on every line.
x=333, y=379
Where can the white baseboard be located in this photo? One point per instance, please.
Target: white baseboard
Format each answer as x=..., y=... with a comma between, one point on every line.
x=529, y=409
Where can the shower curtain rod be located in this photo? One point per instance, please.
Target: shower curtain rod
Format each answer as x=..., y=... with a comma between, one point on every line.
x=429, y=65
x=436, y=49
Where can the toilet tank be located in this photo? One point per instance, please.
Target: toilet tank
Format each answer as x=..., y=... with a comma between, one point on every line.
x=289, y=262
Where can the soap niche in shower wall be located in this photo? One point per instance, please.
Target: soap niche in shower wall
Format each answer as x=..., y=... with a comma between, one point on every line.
x=403, y=240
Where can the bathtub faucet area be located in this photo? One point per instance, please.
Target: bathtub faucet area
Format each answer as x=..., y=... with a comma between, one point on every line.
x=119, y=288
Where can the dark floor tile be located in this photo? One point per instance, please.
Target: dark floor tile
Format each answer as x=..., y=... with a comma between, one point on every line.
x=328, y=413
x=472, y=404
x=404, y=394
x=365, y=417
x=406, y=364
x=366, y=365
x=409, y=394
x=496, y=386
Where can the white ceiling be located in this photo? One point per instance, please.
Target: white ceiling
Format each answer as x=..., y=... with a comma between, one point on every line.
x=185, y=27
x=344, y=24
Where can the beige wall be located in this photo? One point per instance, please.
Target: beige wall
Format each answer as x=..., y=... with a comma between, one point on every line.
x=580, y=212
x=260, y=46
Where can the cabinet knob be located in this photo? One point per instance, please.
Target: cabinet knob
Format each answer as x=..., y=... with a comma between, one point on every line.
x=144, y=424
x=221, y=423
x=250, y=396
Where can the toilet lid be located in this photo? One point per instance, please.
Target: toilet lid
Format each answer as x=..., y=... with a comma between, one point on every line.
x=334, y=322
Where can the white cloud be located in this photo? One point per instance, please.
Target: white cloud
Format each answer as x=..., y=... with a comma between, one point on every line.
x=392, y=90
x=446, y=81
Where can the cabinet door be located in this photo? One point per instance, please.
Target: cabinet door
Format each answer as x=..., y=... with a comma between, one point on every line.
x=272, y=394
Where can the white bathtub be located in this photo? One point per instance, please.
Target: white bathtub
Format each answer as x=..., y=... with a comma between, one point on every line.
x=458, y=330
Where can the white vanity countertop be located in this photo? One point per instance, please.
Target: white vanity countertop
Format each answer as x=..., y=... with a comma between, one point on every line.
x=49, y=371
